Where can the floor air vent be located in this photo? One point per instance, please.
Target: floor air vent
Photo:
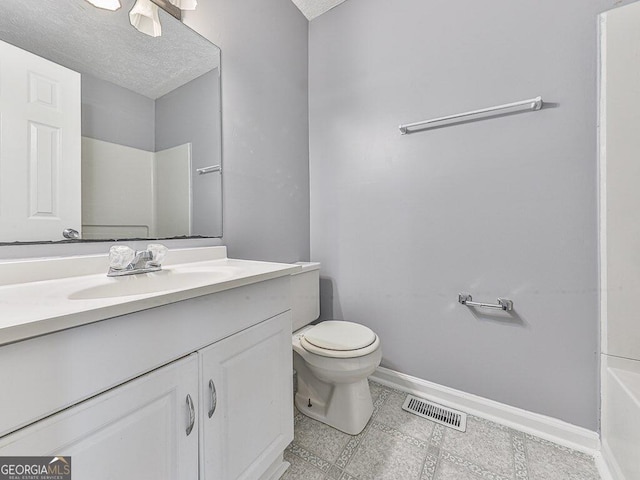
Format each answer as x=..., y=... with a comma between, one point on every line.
x=436, y=413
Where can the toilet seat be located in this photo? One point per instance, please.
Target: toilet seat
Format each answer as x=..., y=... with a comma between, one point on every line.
x=339, y=339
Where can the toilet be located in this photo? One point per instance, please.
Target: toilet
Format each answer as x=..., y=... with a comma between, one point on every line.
x=332, y=359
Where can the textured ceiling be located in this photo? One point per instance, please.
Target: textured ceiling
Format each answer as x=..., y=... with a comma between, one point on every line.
x=90, y=40
x=313, y=8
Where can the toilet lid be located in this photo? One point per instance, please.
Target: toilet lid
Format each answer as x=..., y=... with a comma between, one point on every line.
x=340, y=336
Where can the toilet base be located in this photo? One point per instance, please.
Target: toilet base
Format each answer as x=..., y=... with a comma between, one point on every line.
x=348, y=408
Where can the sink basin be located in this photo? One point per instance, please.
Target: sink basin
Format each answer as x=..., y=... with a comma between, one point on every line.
x=155, y=282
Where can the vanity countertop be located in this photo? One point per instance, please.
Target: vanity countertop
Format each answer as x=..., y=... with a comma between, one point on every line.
x=51, y=294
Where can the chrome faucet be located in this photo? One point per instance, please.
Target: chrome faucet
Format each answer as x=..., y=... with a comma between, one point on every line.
x=126, y=261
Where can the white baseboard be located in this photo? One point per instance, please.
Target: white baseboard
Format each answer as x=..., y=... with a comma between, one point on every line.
x=551, y=429
x=276, y=469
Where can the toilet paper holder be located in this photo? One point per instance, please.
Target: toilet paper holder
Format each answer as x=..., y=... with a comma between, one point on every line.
x=503, y=303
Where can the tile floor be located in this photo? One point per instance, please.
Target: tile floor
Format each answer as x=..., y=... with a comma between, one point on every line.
x=397, y=445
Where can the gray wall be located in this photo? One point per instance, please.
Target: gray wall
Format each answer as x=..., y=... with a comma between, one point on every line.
x=501, y=207
x=264, y=125
x=191, y=113
x=114, y=114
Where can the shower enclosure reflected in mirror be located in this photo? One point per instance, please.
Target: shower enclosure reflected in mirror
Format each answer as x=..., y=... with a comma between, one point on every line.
x=149, y=120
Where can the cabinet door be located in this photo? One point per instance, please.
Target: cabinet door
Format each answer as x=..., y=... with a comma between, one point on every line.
x=138, y=430
x=253, y=418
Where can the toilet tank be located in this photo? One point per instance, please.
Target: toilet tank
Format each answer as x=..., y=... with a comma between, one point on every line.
x=305, y=294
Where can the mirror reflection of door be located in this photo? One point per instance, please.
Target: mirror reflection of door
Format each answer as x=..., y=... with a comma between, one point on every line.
x=40, y=132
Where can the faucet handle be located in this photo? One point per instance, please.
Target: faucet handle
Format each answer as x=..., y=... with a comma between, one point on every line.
x=158, y=252
x=120, y=257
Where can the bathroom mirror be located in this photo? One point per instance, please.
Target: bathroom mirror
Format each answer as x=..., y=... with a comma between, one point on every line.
x=150, y=121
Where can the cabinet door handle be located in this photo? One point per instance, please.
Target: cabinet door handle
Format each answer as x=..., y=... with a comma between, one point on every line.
x=192, y=414
x=213, y=398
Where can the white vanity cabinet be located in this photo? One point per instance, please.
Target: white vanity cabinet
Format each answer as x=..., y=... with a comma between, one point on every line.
x=138, y=430
x=116, y=394
x=246, y=412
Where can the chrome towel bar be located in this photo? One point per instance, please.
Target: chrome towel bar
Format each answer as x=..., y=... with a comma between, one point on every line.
x=211, y=169
x=503, y=303
x=531, y=104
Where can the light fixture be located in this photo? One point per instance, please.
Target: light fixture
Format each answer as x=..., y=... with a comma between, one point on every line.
x=106, y=4
x=144, y=17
